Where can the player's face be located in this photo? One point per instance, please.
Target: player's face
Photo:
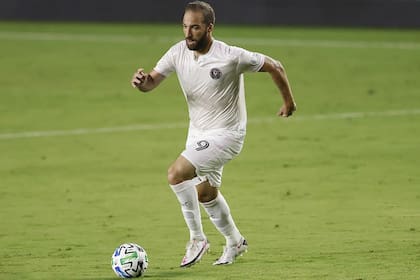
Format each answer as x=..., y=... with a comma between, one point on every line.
x=197, y=33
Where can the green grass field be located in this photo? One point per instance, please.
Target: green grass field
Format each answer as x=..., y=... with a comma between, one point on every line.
x=332, y=193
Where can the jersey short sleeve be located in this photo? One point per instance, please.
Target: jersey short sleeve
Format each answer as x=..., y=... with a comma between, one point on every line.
x=249, y=61
x=166, y=65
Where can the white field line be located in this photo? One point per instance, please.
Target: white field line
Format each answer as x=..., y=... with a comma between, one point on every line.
x=252, y=121
x=49, y=36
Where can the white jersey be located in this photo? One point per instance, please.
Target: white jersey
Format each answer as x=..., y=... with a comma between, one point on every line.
x=212, y=83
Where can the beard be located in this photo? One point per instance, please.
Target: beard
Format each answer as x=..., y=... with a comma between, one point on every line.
x=197, y=45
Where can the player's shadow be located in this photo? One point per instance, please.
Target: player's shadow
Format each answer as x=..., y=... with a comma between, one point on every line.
x=159, y=275
x=97, y=278
x=169, y=274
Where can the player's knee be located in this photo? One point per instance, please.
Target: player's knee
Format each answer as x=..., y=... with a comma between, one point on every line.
x=174, y=176
x=206, y=196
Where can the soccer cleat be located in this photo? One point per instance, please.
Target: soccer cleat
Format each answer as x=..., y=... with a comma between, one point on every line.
x=230, y=253
x=195, y=251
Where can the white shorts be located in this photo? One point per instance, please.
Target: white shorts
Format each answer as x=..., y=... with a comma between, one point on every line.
x=209, y=151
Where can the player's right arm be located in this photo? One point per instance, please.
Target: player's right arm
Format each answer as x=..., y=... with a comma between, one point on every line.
x=146, y=81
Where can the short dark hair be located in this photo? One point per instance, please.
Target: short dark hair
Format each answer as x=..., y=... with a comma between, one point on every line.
x=204, y=8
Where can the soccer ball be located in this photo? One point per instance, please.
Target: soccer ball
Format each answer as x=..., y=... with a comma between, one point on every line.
x=129, y=261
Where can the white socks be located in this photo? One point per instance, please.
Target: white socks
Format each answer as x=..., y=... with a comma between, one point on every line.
x=219, y=213
x=217, y=209
x=187, y=196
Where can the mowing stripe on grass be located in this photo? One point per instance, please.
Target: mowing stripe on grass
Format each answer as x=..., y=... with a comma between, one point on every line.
x=50, y=36
x=139, y=127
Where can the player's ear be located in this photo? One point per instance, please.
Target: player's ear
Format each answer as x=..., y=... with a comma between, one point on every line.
x=210, y=27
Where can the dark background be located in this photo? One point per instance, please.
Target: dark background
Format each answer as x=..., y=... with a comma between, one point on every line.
x=355, y=13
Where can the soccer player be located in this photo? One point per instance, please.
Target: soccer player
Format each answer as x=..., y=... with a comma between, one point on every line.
x=210, y=73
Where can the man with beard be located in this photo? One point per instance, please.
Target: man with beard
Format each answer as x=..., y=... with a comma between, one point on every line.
x=211, y=77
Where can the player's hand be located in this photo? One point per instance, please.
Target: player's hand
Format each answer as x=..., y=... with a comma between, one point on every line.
x=139, y=78
x=287, y=109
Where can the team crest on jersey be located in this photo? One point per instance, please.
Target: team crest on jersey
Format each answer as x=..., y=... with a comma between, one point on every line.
x=215, y=73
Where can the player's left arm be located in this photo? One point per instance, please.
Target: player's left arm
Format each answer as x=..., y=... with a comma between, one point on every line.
x=278, y=74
